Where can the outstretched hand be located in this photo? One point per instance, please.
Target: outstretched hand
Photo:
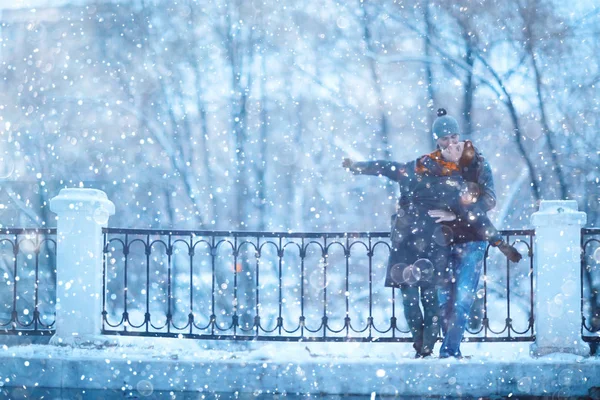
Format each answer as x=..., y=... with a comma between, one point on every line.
x=347, y=163
x=442, y=215
x=510, y=252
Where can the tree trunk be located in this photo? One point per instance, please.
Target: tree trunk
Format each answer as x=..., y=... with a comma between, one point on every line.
x=212, y=198
x=390, y=188
x=469, y=91
x=237, y=61
x=517, y=135
x=261, y=167
x=564, y=191
x=432, y=103
x=516, y=129
x=383, y=122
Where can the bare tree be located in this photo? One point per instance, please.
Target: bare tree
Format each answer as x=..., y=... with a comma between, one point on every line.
x=431, y=90
x=496, y=83
x=542, y=29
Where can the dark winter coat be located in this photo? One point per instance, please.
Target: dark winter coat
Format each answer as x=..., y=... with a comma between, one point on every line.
x=478, y=174
x=420, y=246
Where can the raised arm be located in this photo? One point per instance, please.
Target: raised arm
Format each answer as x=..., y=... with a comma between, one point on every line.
x=393, y=170
x=480, y=222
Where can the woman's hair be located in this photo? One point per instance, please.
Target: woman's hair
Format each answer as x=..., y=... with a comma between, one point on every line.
x=468, y=155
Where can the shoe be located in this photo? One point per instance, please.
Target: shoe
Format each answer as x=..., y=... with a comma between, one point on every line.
x=424, y=355
x=457, y=357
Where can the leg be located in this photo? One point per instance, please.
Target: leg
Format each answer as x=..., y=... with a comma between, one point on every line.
x=467, y=272
x=447, y=293
x=413, y=315
x=447, y=297
x=431, y=327
x=444, y=299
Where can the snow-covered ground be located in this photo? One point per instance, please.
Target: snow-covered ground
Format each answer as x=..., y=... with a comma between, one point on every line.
x=185, y=349
x=148, y=365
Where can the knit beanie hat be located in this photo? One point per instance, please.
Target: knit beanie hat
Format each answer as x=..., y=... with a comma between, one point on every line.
x=444, y=125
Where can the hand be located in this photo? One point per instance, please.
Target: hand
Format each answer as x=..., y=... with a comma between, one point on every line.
x=442, y=215
x=510, y=252
x=347, y=163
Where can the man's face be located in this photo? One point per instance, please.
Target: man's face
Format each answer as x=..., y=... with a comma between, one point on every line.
x=445, y=141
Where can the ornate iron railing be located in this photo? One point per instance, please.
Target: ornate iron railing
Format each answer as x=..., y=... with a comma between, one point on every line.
x=515, y=283
x=286, y=287
x=28, y=267
x=590, y=284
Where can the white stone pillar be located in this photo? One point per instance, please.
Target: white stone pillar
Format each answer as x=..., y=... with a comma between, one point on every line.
x=82, y=213
x=557, y=284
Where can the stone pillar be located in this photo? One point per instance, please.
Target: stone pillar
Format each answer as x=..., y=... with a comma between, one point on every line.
x=557, y=284
x=82, y=213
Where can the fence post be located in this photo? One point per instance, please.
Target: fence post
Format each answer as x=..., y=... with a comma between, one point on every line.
x=557, y=264
x=82, y=213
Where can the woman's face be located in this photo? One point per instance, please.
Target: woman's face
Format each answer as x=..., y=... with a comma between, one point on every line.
x=453, y=152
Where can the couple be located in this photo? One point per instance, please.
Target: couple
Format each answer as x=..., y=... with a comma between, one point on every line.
x=439, y=235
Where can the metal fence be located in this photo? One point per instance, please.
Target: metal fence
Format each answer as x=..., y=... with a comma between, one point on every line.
x=268, y=286
x=590, y=282
x=510, y=287
x=287, y=287
x=28, y=295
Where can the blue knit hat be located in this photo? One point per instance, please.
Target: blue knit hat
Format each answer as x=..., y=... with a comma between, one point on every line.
x=444, y=125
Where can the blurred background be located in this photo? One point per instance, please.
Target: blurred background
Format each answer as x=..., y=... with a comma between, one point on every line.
x=237, y=114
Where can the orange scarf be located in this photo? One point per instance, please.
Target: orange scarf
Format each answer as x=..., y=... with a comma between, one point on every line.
x=447, y=166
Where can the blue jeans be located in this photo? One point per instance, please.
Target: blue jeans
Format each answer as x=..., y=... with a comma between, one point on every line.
x=456, y=297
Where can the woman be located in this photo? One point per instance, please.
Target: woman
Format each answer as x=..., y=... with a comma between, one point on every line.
x=420, y=245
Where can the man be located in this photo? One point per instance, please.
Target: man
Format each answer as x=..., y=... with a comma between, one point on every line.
x=467, y=250
x=418, y=259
